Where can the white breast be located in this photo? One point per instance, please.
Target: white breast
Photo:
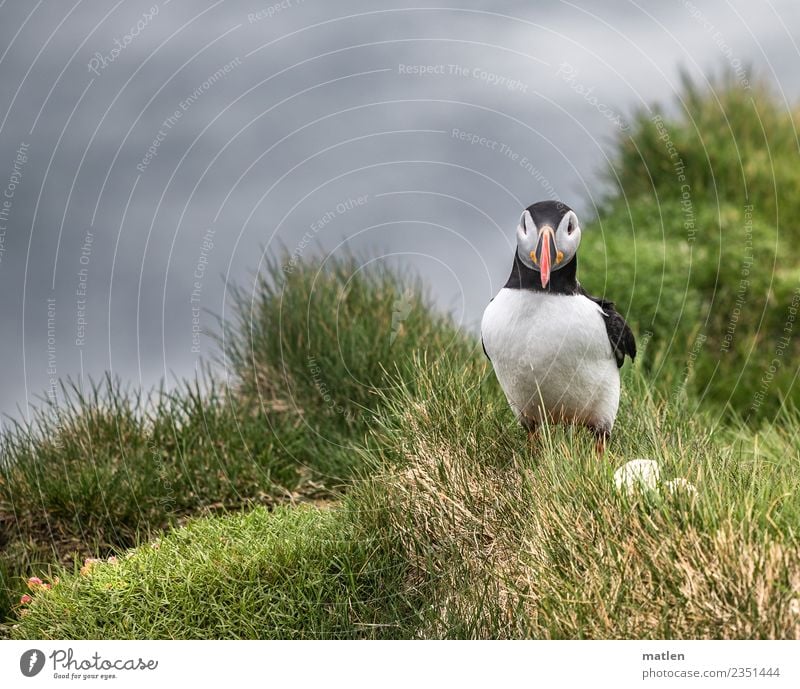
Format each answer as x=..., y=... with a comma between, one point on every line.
x=552, y=356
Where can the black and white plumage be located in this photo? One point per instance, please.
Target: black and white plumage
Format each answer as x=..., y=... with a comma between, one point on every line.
x=555, y=349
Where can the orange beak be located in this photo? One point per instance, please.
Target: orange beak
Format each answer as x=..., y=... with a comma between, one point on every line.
x=545, y=254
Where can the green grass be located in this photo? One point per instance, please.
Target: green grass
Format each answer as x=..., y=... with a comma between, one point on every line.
x=110, y=467
x=430, y=516
x=698, y=243
x=510, y=543
x=296, y=573
x=455, y=529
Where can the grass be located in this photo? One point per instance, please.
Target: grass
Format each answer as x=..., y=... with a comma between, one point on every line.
x=446, y=535
x=109, y=467
x=424, y=513
x=700, y=244
x=513, y=544
x=294, y=573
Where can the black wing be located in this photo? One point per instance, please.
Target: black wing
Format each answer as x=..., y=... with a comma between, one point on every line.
x=486, y=354
x=619, y=333
x=484, y=349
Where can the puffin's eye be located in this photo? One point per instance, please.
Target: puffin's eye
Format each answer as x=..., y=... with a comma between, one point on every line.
x=570, y=227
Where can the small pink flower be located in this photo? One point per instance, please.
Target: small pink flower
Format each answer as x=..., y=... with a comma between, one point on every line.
x=112, y=560
x=25, y=599
x=46, y=587
x=88, y=564
x=33, y=582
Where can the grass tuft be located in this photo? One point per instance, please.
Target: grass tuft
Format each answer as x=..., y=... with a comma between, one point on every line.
x=291, y=573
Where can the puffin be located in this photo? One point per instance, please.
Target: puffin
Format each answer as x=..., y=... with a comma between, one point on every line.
x=555, y=349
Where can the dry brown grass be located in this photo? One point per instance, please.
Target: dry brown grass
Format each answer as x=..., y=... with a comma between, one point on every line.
x=503, y=544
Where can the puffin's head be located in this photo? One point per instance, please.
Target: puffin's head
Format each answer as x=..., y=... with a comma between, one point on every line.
x=548, y=237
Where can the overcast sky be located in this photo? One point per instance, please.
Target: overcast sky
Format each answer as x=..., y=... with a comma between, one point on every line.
x=151, y=153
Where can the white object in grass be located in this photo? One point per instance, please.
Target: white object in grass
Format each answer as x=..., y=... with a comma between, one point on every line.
x=678, y=486
x=637, y=475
